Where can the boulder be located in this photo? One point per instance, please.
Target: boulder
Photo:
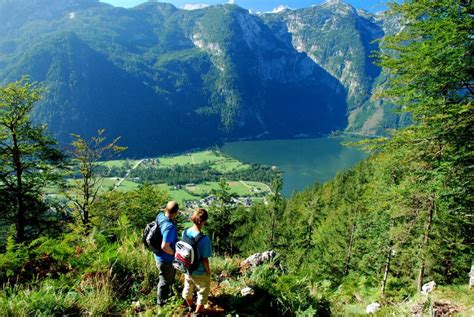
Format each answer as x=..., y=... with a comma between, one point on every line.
x=248, y=291
x=257, y=259
x=372, y=308
x=428, y=287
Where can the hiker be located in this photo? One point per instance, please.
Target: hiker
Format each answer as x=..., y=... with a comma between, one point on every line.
x=199, y=279
x=164, y=259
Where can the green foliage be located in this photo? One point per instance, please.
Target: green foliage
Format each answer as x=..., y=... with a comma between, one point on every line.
x=139, y=206
x=29, y=159
x=13, y=259
x=221, y=225
x=85, y=156
x=197, y=173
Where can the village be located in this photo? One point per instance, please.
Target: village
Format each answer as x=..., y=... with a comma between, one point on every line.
x=209, y=200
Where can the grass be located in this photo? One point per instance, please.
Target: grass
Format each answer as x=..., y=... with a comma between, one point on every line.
x=228, y=165
x=179, y=195
x=220, y=163
x=118, y=163
x=457, y=295
x=237, y=187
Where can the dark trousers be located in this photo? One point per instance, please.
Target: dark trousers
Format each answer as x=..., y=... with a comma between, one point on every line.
x=167, y=273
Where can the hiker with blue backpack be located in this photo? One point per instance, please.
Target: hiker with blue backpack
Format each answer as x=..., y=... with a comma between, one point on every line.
x=164, y=256
x=192, y=257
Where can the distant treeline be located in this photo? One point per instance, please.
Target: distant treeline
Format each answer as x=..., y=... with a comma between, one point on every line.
x=197, y=173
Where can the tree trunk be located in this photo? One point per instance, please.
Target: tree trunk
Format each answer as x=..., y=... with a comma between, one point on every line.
x=428, y=225
x=349, y=251
x=20, y=204
x=387, y=270
x=273, y=229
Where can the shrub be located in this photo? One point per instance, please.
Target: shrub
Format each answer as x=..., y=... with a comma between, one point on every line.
x=14, y=258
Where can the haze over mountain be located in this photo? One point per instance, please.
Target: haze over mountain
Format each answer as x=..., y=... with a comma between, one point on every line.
x=167, y=79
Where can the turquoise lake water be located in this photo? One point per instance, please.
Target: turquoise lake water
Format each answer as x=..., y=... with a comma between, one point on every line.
x=303, y=161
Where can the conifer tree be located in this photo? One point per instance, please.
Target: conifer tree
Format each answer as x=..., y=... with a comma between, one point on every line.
x=29, y=159
x=430, y=64
x=221, y=223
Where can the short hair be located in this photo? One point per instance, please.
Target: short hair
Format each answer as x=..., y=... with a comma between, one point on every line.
x=199, y=216
x=172, y=207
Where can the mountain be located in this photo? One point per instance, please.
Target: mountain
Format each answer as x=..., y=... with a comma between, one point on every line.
x=342, y=40
x=167, y=79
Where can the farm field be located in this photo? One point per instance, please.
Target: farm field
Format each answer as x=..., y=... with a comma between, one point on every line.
x=215, y=159
x=187, y=192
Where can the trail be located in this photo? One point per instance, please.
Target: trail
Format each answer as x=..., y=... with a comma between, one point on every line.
x=245, y=184
x=250, y=187
x=119, y=183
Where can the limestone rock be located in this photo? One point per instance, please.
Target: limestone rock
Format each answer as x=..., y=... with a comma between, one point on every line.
x=258, y=259
x=372, y=308
x=428, y=287
x=247, y=291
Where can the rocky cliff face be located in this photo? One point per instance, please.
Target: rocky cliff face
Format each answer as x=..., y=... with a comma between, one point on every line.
x=217, y=73
x=341, y=40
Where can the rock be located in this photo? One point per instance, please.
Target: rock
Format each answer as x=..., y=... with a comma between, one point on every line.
x=417, y=309
x=444, y=308
x=471, y=277
x=437, y=308
x=258, y=259
x=136, y=307
x=428, y=287
x=372, y=308
x=248, y=291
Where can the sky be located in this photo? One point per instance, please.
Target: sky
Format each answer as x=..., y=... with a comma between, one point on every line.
x=260, y=5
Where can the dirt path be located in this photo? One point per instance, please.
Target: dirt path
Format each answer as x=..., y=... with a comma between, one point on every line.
x=117, y=185
x=245, y=184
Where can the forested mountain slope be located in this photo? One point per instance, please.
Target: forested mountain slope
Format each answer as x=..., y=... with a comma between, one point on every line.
x=167, y=79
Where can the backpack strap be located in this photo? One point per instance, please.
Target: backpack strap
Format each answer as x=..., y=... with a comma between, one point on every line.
x=199, y=237
x=193, y=241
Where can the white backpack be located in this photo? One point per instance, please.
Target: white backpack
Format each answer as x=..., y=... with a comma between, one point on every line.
x=186, y=257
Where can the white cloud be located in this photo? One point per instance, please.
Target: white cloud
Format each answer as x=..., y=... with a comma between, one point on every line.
x=231, y=2
x=195, y=6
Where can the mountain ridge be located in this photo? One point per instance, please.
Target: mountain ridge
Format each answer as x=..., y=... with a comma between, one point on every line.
x=218, y=70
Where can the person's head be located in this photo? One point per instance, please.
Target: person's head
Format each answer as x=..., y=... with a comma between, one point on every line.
x=199, y=217
x=171, y=210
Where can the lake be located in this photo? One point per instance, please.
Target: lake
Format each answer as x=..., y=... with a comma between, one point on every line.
x=303, y=161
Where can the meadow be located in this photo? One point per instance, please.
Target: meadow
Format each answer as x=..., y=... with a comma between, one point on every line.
x=193, y=191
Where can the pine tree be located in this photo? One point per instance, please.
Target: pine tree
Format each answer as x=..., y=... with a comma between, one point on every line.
x=430, y=64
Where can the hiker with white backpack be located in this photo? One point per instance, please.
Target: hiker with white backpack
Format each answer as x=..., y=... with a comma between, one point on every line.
x=192, y=257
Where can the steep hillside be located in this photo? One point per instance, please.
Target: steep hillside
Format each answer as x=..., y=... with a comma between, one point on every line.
x=343, y=40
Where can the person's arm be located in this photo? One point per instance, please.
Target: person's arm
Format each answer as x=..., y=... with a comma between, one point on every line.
x=166, y=247
x=205, y=262
x=168, y=238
